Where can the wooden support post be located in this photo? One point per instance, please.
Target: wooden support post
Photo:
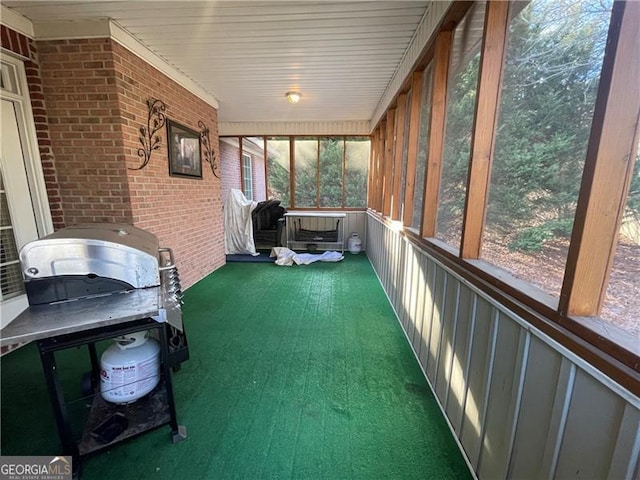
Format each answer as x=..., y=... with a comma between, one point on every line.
x=401, y=115
x=388, y=162
x=484, y=127
x=412, y=150
x=436, y=137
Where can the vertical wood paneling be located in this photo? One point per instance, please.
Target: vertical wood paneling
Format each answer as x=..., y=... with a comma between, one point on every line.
x=429, y=303
x=479, y=373
x=395, y=270
x=627, y=449
x=408, y=266
x=558, y=421
x=592, y=427
x=420, y=288
x=521, y=406
x=460, y=363
x=436, y=323
x=503, y=395
x=542, y=374
x=414, y=257
x=356, y=222
x=447, y=338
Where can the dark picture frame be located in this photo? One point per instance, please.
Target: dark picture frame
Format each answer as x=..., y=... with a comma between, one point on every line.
x=185, y=159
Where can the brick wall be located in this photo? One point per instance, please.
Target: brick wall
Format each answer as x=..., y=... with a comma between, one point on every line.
x=96, y=93
x=25, y=47
x=230, y=161
x=185, y=213
x=86, y=133
x=230, y=168
x=88, y=99
x=259, y=181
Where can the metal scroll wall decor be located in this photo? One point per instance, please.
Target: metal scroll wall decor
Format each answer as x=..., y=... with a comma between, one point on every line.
x=148, y=138
x=209, y=154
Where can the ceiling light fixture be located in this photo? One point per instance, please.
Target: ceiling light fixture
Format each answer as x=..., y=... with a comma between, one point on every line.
x=293, y=97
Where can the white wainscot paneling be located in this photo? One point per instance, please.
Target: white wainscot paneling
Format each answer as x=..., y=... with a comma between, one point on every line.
x=520, y=405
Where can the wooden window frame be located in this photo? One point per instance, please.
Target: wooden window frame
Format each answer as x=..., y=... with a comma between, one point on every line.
x=388, y=162
x=607, y=174
x=401, y=113
x=381, y=165
x=433, y=170
x=496, y=26
x=412, y=149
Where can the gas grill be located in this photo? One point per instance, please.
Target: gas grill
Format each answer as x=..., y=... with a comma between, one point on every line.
x=111, y=272
x=93, y=282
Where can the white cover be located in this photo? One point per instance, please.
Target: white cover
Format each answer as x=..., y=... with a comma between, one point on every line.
x=287, y=257
x=238, y=228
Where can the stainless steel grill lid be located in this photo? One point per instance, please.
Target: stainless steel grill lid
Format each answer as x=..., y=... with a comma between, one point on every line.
x=103, y=256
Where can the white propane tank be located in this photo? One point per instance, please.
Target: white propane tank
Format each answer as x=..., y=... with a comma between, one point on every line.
x=130, y=368
x=354, y=243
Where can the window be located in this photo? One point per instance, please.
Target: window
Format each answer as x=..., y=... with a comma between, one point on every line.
x=405, y=154
x=8, y=78
x=328, y=172
x=10, y=273
x=255, y=147
x=622, y=302
x=461, y=99
x=247, y=176
x=278, y=170
x=331, y=172
x=423, y=146
x=355, y=175
x=306, y=172
x=551, y=72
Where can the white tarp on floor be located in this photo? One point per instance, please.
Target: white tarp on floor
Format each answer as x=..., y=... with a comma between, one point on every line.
x=285, y=256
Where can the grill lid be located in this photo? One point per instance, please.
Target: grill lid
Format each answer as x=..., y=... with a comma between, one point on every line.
x=107, y=250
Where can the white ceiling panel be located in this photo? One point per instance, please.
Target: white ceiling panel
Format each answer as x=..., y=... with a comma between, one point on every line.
x=342, y=56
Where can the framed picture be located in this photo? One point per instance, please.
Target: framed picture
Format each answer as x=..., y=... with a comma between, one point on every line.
x=184, y=151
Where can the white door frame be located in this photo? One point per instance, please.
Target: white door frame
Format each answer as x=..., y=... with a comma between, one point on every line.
x=29, y=138
x=18, y=94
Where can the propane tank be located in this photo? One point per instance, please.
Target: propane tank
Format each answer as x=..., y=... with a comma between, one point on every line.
x=354, y=244
x=130, y=368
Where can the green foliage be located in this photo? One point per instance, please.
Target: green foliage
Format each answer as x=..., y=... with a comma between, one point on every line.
x=453, y=184
x=550, y=80
x=530, y=239
x=331, y=152
x=633, y=202
x=327, y=166
x=278, y=182
x=306, y=172
x=278, y=175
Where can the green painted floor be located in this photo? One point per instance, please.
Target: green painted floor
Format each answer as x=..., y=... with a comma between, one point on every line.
x=295, y=373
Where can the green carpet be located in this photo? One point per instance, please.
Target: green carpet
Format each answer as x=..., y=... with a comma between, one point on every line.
x=295, y=373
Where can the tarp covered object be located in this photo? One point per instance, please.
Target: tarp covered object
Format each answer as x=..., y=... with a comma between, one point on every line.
x=238, y=228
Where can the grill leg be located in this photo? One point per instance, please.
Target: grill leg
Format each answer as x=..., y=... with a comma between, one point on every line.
x=178, y=432
x=60, y=414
